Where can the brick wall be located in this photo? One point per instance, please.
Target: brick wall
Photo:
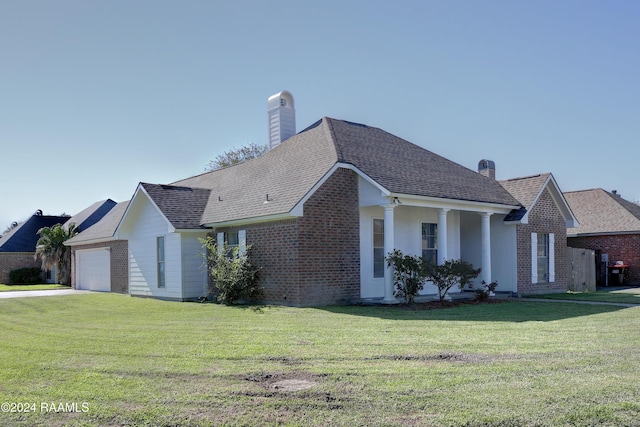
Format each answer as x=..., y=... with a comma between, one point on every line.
x=544, y=218
x=330, y=242
x=119, y=264
x=14, y=260
x=623, y=247
x=313, y=260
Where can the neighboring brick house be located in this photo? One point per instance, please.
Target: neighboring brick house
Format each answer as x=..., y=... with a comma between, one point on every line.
x=609, y=225
x=18, y=245
x=541, y=231
x=98, y=261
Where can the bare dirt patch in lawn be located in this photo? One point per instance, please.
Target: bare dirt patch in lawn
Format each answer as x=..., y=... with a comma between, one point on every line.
x=293, y=381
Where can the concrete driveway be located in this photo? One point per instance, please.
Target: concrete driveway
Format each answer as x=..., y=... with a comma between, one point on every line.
x=54, y=292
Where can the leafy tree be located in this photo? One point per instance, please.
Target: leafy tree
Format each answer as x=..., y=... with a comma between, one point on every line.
x=450, y=273
x=236, y=155
x=233, y=277
x=52, y=252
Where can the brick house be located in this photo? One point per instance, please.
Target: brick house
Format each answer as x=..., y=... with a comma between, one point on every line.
x=18, y=245
x=323, y=207
x=609, y=225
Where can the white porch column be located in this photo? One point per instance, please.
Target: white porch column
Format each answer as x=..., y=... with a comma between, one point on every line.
x=388, y=247
x=442, y=235
x=486, y=247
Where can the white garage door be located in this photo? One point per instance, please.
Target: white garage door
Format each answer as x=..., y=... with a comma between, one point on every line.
x=93, y=269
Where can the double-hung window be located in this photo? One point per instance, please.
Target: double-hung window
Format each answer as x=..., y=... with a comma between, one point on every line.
x=430, y=242
x=378, y=248
x=542, y=258
x=232, y=240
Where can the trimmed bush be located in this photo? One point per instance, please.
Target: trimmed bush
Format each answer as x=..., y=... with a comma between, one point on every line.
x=25, y=276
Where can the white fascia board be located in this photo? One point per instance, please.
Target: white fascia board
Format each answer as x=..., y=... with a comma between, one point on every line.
x=90, y=241
x=252, y=220
x=298, y=208
x=140, y=189
x=460, y=205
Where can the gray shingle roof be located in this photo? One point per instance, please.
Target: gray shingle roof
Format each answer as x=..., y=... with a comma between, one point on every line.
x=403, y=167
x=288, y=172
x=182, y=206
x=599, y=211
x=89, y=216
x=103, y=229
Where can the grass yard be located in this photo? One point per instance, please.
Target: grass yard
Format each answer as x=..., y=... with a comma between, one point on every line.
x=616, y=295
x=39, y=287
x=113, y=360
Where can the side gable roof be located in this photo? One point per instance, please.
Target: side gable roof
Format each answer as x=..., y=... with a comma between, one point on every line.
x=182, y=206
x=89, y=216
x=272, y=185
x=24, y=237
x=528, y=190
x=102, y=230
x=601, y=212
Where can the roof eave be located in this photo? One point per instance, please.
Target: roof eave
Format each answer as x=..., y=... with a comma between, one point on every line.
x=252, y=220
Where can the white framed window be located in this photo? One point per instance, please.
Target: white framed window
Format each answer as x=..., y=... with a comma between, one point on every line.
x=160, y=253
x=542, y=258
x=378, y=248
x=233, y=239
x=430, y=242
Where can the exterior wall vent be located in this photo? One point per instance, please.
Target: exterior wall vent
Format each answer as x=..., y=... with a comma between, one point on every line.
x=282, y=118
x=487, y=168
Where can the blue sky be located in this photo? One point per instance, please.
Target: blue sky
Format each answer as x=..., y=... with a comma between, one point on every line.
x=96, y=96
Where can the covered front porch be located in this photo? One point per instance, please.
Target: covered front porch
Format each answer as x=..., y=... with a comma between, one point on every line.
x=436, y=229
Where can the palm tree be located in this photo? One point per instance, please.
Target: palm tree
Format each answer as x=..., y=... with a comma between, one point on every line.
x=52, y=252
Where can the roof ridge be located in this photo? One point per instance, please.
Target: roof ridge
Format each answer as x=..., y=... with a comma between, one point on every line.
x=519, y=178
x=584, y=190
x=329, y=121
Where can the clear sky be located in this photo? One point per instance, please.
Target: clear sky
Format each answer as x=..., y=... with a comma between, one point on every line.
x=96, y=96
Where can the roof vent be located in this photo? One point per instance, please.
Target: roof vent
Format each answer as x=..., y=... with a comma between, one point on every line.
x=487, y=168
x=282, y=118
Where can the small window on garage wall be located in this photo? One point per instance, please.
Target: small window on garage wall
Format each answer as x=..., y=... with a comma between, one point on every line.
x=542, y=258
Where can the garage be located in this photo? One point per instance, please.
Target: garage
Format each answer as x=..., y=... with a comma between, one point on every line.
x=93, y=269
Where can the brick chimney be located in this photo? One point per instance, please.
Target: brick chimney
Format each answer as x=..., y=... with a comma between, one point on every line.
x=487, y=168
x=282, y=118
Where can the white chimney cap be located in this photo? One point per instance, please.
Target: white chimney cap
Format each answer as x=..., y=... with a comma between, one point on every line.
x=280, y=99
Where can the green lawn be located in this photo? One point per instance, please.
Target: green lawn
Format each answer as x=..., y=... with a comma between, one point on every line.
x=38, y=287
x=122, y=361
x=623, y=296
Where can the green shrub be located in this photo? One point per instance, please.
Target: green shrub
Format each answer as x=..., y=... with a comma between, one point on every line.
x=485, y=291
x=408, y=274
x=25, y=276
x=232, y=277
x=450, y=273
